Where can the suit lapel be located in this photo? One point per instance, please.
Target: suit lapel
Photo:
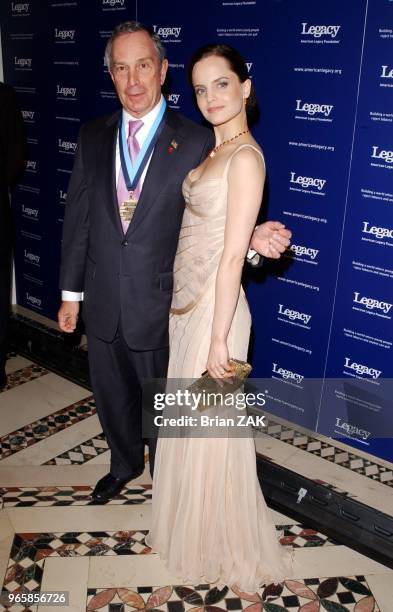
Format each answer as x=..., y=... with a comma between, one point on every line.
x=107, y=170
x=161, y=167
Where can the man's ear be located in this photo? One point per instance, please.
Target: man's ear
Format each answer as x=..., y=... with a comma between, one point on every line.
x=164, y=70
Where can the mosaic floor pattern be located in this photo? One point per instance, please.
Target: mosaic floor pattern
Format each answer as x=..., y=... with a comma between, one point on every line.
x=49, y=525
x=29, y=550
x=341, y=594
x=21, y=497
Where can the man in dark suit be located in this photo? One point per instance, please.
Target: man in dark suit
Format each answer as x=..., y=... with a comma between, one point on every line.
x=122, y=261
x=12, y=155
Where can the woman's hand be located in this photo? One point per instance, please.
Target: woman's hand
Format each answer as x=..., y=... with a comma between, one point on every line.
x=271, y=239
x=218, y=364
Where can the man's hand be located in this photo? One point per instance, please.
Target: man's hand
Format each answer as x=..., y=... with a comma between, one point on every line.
x=68, y=316
x=270, y=239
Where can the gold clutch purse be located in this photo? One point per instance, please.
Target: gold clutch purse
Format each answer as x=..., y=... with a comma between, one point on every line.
x=212, y=393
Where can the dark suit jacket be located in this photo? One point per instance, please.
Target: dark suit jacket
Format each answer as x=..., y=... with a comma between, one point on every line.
x=127, y=276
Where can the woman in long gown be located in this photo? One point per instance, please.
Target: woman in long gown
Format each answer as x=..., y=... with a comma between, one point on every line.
x=210, y=522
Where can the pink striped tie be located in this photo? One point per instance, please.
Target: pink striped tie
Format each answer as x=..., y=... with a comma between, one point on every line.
x=133, y=147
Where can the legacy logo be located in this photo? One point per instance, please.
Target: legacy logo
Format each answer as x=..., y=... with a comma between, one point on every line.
x=31, y=166
x=316, y=31
x=34, y=301
x=361, y=370
x=352, y=430
x=173, y=99
x=166, y=32
x=313, y=109
x=287, y=374
x=301, y=251
x=32, y=213
x=294, y=315
x=66, y=146
x=386, y=156
x=307, y=181
x=23, y=63
x=378, y=232
x=113, y=3
x=65, y=92
x=64, y=35
x=32, y=258
x=20, y=8
x=28, y=115
x=371, y=303
x=386, y=72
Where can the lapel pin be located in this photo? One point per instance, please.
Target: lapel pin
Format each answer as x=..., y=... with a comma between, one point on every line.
x=173, y=146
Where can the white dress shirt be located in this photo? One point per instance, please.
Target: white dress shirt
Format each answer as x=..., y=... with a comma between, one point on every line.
x=141, y=135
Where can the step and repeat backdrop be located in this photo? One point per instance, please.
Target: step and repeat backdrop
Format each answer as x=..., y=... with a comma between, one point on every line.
x=322, y=334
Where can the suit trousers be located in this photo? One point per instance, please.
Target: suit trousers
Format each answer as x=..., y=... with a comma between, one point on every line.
x=116, y=373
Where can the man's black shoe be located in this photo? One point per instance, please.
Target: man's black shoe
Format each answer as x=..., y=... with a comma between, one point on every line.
x=109, y=486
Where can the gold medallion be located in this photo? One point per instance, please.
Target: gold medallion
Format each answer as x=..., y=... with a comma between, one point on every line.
x=127, y=208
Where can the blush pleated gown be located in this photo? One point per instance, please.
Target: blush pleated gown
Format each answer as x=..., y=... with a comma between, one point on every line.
x=210, y=523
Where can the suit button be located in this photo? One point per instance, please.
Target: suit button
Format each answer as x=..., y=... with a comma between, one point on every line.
x=124, y=243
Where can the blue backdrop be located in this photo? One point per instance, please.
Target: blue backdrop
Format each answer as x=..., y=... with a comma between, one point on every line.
x=324, y=76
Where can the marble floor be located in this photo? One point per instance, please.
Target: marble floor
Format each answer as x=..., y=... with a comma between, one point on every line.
x=54, y=538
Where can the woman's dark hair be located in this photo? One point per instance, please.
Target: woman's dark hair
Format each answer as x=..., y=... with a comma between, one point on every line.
x=236, y=64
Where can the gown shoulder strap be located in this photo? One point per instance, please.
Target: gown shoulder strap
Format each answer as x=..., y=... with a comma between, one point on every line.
x=243, y=146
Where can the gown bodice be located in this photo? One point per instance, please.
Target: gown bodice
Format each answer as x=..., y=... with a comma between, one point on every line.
x=201, y=239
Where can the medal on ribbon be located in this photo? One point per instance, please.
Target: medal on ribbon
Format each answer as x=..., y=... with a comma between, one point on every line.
x=133, y=172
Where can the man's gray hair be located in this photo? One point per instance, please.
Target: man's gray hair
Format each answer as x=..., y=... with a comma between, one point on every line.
x=129, y=27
